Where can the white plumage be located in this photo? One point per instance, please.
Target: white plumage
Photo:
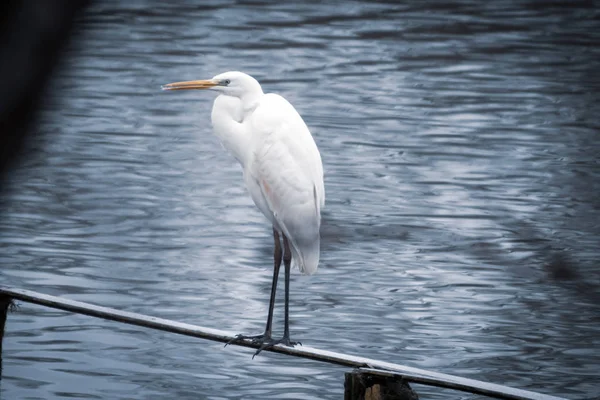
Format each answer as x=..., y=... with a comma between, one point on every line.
x=282, y=167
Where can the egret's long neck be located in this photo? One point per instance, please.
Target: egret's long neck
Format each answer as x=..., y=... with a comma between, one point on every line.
x=250, y=99
x=227, y=119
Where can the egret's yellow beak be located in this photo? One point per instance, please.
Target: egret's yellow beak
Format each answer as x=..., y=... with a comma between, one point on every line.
x=204, y=84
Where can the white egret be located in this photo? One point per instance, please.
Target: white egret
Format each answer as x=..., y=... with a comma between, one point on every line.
x=282, y=171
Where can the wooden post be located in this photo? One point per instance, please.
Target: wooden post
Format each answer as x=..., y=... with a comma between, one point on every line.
x=360, y=385
x=5, y=303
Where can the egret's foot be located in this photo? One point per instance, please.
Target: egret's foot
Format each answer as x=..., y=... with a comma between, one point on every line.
x=271, y=343
x=255, y=339
x=287, y=342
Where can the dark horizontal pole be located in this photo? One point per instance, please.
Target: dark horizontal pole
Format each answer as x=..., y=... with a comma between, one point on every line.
x=410, y=374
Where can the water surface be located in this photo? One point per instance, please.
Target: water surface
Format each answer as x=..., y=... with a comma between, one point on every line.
x=461, y=231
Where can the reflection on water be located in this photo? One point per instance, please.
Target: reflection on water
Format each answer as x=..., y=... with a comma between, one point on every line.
x=460, y=145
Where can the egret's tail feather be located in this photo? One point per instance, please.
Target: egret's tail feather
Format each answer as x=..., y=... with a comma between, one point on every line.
x=306, y=256
x=301, y=226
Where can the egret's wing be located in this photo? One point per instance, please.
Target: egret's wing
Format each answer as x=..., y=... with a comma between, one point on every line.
x=286, y=167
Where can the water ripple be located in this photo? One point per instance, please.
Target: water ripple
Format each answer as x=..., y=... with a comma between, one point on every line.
x=461, y=230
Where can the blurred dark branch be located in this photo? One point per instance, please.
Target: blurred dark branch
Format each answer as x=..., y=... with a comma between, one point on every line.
x=32, y=35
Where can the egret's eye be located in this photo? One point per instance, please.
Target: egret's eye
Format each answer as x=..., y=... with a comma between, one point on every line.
x=227, y=81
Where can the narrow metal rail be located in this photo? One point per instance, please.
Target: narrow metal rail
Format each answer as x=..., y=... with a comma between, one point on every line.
x=377, y=367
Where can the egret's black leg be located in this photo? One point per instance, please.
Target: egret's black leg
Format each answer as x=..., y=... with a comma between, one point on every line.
x=287, y=262
x=265, y=339
x=276, y=265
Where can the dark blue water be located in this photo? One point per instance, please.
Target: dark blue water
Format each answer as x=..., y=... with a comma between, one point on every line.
x=461, y=233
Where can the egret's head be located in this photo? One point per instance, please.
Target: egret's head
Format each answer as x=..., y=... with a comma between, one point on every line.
x=232, y=83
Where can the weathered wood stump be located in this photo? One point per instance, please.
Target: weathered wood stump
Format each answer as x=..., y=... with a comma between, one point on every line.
x=360, y=385
x=5, y=305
